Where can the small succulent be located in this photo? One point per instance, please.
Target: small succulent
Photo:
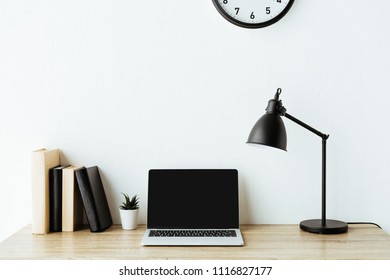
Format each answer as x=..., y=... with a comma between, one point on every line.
x=129, y=204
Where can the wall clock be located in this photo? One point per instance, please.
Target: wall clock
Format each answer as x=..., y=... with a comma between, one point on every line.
x=253, y=13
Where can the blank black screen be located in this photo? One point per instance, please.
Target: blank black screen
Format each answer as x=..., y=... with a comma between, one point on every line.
x=193, y=198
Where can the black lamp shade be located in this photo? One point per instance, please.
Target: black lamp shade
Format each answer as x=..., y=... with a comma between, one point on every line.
x=269, y=130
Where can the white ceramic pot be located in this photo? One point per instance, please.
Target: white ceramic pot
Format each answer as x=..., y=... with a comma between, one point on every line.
x=129, y=218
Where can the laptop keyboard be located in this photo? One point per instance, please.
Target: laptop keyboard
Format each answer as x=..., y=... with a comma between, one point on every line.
x=192, y=233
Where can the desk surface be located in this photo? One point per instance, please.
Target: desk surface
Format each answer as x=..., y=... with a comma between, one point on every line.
x=261, y=242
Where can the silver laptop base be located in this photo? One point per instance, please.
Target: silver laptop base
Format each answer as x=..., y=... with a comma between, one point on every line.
x=235, y=240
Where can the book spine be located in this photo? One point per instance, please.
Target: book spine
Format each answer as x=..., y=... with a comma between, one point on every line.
x=42, y=161
x=99, y=196
x=72, y=205
x=67, y=199
x=55, y=186
x=84, y=185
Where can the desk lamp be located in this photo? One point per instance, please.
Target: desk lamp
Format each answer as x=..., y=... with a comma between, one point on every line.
x=269, y=130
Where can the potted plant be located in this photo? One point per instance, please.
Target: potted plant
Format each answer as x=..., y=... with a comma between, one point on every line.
x=128, y=211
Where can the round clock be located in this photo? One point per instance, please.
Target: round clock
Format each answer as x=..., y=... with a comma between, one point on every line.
x=253, y=13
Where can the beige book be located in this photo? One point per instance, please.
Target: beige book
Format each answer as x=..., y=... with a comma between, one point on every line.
x=42, y=161
x=72, y=205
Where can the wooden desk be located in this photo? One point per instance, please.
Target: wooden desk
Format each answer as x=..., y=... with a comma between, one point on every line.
x=261, y=242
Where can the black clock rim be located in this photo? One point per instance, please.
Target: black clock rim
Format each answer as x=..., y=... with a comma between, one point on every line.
x=255, y=25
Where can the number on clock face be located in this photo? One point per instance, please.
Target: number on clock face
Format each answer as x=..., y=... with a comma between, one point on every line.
x=253, y=13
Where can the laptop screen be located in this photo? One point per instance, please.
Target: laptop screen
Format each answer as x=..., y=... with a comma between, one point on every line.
x=193, y=199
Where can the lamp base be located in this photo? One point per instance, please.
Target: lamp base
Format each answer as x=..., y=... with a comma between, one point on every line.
x=330, y=227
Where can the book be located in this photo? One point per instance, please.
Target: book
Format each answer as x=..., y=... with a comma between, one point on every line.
x=41, y=161
x=72, y=205
x=55, y=198
x=94, y=198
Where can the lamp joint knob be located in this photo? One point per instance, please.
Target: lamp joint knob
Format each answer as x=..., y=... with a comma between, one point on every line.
x=278, y=93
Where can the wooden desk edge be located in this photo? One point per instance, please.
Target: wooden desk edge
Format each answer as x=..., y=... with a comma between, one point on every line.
x=266, y=241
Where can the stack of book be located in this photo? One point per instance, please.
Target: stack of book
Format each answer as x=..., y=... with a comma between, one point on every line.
x=62, y=195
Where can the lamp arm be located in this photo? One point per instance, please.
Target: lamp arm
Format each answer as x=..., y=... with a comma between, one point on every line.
x=324, y=138
x=275, y=106
x=308, y=127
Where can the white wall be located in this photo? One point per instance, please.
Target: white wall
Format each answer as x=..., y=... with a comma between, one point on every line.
x=134, y=85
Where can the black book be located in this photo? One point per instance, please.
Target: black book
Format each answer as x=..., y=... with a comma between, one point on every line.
x=94, y=198
x=55, y=198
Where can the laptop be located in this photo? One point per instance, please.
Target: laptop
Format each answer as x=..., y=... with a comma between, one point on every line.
x=193, y=207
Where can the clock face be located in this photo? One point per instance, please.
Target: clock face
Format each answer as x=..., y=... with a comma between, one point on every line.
x=253, y=13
